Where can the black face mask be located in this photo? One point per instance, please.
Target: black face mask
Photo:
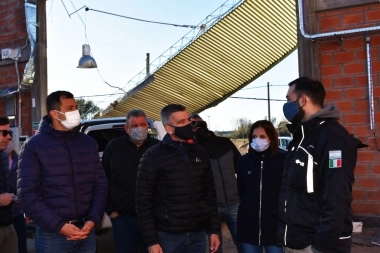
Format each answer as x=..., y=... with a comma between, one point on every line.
x=201, y=133
x=185, y=132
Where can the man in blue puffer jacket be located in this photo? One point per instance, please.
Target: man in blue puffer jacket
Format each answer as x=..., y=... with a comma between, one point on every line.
x=61, y=184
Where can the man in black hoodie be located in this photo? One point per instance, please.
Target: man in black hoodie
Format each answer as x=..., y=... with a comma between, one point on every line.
x=315, y=200
x=120, y=161
x=223, y=158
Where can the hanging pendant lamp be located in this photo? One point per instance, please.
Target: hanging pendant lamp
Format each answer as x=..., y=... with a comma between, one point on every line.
x=86, y=61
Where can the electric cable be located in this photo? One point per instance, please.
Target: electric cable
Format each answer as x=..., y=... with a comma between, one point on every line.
x=89, y=96
x=65, y=8
x=283, y=100
x=263, y=86
x=142, y=20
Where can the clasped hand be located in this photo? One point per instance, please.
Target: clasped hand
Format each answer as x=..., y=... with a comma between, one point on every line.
x=73, y=233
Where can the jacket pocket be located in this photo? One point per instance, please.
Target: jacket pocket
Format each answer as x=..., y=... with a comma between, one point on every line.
x=302, y=210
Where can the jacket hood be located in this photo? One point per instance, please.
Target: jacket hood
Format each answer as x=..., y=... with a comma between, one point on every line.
x=330, y=111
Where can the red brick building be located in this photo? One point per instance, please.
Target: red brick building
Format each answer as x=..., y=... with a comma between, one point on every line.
x=341, y=63
x=22, y=30
x=13, y=35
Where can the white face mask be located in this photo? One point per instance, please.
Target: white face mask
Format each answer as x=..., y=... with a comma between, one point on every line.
x=259, y=145
x=72, y=119
x=138, y=134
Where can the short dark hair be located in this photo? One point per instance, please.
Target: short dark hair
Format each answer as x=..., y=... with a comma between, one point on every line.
x=53, y=100
x=4, y=121
x=269, y=130
x=135, y=113
x=168, y=110
x=311, y=88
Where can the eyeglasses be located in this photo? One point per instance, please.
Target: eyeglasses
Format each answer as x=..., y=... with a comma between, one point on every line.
x=6, y=132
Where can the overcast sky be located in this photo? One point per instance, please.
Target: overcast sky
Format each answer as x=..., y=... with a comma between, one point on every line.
x=119, y=47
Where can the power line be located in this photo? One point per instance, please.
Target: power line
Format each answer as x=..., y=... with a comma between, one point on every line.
x=142, y=20
x=263, y=86
x=65, y=7
x=260, y=99
x=99, y=95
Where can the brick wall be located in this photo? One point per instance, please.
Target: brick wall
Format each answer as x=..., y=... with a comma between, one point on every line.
x=13, y=34
x=343, y=70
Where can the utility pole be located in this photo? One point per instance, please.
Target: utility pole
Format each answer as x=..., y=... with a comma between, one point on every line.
x=269, y=118
x=147, y=62
x=39, y=87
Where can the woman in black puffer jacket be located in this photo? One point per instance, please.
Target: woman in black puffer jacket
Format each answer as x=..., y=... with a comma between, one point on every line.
x=259, y=174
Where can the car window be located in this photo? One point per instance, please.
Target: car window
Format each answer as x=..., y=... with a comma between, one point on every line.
x=103, y=136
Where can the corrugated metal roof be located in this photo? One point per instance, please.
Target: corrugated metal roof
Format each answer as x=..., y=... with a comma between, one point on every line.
x=243, y=45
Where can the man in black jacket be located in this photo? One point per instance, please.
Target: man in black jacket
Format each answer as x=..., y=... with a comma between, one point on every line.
x=8, y=236
x=120, y=161
x=223, y=158
x=175, y=192
x=316, y=195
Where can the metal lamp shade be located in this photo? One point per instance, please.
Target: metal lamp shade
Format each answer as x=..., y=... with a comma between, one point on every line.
x=86, y=61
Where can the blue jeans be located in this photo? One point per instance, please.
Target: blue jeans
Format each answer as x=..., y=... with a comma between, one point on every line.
x=190, y=242
x=126, y=235
x=46, y=242
x=250, y=248
x=229, y=215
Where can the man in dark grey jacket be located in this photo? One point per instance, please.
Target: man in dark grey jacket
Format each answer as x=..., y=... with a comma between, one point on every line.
x=8, y=236
x=223, y=158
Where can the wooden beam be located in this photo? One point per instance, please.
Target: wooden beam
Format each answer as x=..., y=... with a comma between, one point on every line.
x=308, y=59
x=322, y=5
x=39, y=87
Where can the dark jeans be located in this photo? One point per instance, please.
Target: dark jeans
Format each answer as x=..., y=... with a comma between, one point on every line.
x=126, y=235
x=190, y=242
x=250, y=248
x=229, y=215
x=19, y=224
x=47, y=242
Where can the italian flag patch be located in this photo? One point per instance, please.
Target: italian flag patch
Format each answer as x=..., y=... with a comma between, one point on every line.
x=335, y=159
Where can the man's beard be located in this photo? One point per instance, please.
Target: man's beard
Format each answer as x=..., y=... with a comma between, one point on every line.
x=299, y=116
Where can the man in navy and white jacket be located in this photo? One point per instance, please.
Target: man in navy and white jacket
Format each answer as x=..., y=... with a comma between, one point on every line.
x=315, y=200
x=61, y=184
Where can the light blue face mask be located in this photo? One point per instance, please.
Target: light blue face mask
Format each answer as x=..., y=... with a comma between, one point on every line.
x=259, y=145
